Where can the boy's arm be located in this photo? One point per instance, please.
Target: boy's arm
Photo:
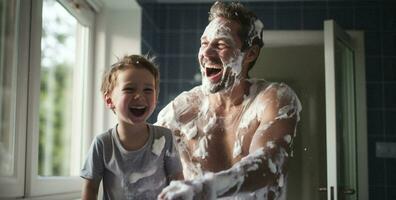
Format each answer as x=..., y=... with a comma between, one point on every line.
x=90, y=190
x=92, y=170
x=173, y=165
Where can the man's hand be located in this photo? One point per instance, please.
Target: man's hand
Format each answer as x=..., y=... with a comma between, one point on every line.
x=177, y=190
x=200, y=188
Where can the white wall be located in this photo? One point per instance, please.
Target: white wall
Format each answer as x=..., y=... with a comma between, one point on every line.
x=118, y=32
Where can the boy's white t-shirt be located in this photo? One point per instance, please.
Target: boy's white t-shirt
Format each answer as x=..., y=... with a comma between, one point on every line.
x=140, y=174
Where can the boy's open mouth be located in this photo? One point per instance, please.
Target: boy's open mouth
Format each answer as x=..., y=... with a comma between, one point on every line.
x=138, y=111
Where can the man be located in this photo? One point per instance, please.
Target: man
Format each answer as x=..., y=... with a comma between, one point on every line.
x=234, y=134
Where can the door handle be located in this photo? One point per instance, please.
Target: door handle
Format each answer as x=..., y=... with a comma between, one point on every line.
x=348, y=191
x=344, y=191
x=322, y=189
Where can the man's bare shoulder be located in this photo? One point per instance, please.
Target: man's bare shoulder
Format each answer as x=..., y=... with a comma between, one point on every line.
x=273, y=98
x=183, y=108
x=192, y=96
x=265, y=90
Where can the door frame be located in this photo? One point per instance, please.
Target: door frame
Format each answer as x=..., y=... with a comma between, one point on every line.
x=361, y=113
x=297, y=38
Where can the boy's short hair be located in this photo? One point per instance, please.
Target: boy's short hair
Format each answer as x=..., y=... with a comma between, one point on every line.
x=109, y=80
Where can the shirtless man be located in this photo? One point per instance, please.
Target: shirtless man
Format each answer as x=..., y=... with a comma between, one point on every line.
x=234, y=134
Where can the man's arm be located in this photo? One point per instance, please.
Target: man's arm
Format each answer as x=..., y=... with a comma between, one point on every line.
x=271, y=146
x=265, y=166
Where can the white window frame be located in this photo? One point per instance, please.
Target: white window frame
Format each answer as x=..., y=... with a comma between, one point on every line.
x=14, y=186
x=52, y=187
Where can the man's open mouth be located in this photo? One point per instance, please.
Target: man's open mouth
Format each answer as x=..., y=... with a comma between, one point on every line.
x=138, y=111
x=214, y=74
x=212, y=71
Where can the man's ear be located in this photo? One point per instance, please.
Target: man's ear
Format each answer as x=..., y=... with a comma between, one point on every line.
x=109, y=101
x=252, y=53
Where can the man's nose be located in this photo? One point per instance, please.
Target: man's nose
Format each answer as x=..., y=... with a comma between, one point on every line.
x=208, y=51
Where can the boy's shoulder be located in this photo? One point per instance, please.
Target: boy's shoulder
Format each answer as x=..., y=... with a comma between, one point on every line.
x=104, y=137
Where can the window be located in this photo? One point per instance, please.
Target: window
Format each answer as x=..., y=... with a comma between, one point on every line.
x=61, y=92
x=12, y=109
x=59, y=119
x=45, y=74
x=8, y=86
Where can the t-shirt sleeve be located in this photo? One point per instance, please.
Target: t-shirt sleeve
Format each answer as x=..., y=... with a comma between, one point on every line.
x=93, y=166
x=173, y=164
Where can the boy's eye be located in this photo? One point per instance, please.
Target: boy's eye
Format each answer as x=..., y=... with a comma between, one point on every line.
x=128, y=89
x=148, y=90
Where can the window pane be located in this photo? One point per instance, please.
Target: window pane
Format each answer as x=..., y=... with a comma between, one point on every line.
x=8, y=52
x=61, y=92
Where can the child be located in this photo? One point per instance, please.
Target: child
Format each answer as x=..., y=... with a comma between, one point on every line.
x=136, y=160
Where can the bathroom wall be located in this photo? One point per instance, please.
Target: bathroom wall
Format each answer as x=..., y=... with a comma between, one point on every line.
x=172, y=31
x=113, y=40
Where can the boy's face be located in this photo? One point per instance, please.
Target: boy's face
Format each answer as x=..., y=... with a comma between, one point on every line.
x=219, y=56
x=134, y=97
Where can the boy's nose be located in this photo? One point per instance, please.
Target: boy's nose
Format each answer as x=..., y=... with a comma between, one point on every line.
x=137, y=95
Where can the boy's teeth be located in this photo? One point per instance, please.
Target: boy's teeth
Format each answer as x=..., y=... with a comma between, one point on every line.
x=138, y=110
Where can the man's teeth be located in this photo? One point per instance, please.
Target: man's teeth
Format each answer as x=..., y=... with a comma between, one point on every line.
x=138, y=107
x=213, y=67
x=212, y=71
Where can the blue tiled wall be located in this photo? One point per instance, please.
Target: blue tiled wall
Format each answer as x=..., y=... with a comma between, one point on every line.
x=172, y=31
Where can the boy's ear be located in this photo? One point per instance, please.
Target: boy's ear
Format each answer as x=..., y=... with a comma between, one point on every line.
x=109, y=101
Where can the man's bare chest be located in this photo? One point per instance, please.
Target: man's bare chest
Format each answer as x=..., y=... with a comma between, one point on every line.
x=216, y=143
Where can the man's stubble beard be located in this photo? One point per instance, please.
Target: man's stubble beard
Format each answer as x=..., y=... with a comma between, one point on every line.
x=226, y=82
x=229, y=77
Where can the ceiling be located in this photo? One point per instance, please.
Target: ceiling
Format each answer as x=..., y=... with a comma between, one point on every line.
x=128, y=4
x=120, y=4
x=211, y=1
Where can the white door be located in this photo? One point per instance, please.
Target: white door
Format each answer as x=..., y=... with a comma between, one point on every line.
x=342, y=123
x=298, y=59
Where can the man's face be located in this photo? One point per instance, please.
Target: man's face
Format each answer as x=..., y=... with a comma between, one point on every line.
x=219, y=56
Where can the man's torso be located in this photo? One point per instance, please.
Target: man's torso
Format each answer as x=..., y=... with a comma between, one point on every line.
x=211, y=138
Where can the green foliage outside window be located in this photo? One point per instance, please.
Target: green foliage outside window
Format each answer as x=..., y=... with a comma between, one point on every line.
x=54, y=97
x=56, y=90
